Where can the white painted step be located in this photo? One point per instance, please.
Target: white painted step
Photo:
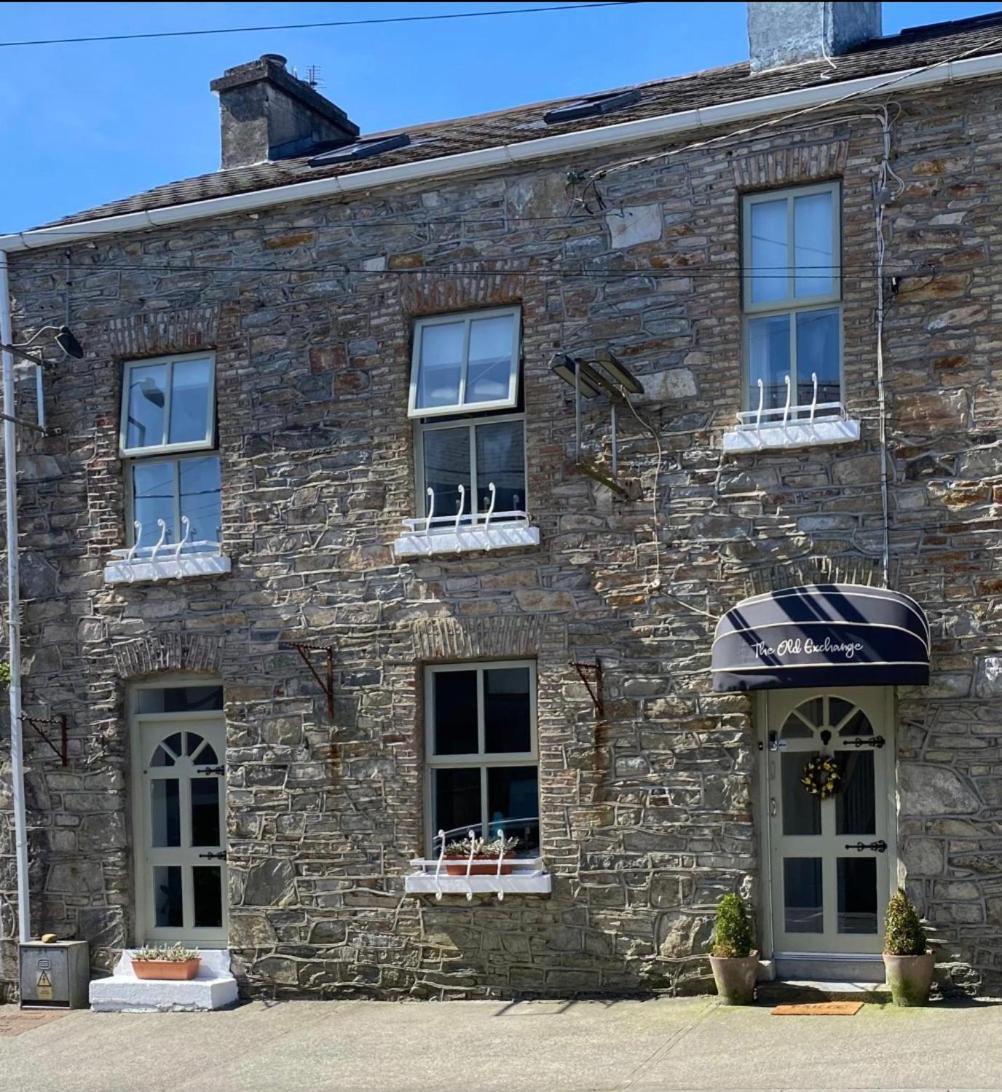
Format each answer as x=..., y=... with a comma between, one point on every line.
x=212, y=988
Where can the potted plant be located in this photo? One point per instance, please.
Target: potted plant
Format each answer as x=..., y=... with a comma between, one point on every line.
x=734, y=962
x=485, y=854
x=174, y=962
x=908, y=962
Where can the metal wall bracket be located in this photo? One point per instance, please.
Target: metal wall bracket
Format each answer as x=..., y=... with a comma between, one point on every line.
x=325, y=681
x=35, y=724
x=591, y=676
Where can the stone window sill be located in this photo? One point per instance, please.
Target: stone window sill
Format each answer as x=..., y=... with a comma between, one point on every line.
x=774, y=436
x=528, y=878
x=463, y=540
x=127, y=568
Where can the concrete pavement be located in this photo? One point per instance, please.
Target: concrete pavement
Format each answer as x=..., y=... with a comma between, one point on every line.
x=690, y=1043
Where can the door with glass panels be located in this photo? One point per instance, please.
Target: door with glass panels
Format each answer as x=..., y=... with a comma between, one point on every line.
x=182, y=790
x=829, y=840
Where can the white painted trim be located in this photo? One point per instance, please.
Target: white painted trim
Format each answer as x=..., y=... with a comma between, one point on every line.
x=206, y=443
x=739, y=441
x=144, y=570
x=660, y=127
x=526, y=883
x=465, y=540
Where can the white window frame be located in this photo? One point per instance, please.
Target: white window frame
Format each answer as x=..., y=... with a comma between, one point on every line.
x=790, y=305
x=474, y=518
x=208, y=442
x=175, y=462
x=461, y=406
x=479, y=759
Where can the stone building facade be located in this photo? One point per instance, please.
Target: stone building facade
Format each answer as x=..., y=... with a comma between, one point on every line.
x=649, y=812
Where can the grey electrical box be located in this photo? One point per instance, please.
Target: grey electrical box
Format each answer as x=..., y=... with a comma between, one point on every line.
x=56, y=975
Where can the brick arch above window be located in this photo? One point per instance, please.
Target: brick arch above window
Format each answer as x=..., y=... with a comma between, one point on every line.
x=433, y=294
x=449, y=639
x=168, y=652
x=788, y=166
x=154, y=333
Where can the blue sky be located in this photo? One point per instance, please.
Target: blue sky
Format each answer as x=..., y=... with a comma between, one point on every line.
x=87, y=123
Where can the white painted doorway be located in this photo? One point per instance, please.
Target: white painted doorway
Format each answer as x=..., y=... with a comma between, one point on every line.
x=830, y=860
x=179, y=793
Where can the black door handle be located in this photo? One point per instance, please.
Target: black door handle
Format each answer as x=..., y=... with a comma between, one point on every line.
x=880, y=847
x=214, y=856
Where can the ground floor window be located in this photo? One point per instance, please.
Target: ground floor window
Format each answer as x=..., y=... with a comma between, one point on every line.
x=483, y=765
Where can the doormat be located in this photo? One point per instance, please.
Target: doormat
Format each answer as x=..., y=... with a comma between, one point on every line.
x=14, y=1021
x=819, y=1008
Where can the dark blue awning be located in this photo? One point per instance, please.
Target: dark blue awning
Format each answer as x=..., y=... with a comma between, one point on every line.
x=821, y=635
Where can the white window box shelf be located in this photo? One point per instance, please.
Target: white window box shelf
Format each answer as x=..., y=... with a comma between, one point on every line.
x=791, y=426
x=528, y=878
x=442, y=535
x=146, y=565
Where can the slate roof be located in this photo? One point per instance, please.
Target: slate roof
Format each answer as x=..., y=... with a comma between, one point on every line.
x=912, y=48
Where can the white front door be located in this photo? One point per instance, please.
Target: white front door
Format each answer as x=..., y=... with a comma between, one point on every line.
x=830, y=858
x=181, y=794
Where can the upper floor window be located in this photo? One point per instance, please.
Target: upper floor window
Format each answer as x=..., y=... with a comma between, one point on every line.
x=465, y=363
x=792, y=303
x=168, y=436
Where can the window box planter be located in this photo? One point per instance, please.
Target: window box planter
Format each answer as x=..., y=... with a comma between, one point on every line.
x=431, y=877
x=484, y=866
x=166, y=970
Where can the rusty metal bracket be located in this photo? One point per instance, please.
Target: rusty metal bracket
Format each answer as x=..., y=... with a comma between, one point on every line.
x=35, y=724
x=325, y=681
x=591, y=676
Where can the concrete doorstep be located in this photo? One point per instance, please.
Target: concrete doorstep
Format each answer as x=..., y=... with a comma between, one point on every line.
x=212, y=988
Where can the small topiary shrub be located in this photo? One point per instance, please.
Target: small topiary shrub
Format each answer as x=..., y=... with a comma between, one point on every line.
x=732, y=934
x=903, y=932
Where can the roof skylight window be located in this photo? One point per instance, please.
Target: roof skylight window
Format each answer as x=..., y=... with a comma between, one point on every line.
x=593, y=106
x=361, y=149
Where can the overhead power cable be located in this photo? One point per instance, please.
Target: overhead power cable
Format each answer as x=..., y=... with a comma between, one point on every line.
x=315, y=26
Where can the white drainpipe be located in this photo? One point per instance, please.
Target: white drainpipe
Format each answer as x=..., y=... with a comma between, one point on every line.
x=14, y=615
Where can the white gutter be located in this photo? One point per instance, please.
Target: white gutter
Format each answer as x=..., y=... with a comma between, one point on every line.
x=14, y=616
x=507, y=154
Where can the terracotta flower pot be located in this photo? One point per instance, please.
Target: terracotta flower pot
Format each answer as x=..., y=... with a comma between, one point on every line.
x=735, y=978
x=482, y=866
x=909, y=977
x=178, y=971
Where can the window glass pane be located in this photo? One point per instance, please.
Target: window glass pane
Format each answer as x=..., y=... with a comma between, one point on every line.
x=207, y=890
x=455, y=711
x=162, y=758
x=801, y=809
x=501, y=460
x=205, y=811
x=794, y=728
x=191, y=383
x=838, y=710
x=179, y=699
x=507, y=710
x=769, y=251
x=146, y=398
x=802, y=900
x=856, y=802
x=768, y=359
x=491, y=361
x=857, y=725
x=456, y=802
x=857, y=894
x=173, y=743
x=446, y=467
x=192, y=741
x=818, y=353
x=812, y=233
x=165, y=815
x=200, y=498
x=167, y=897
x=440, y=364
x=513, y=794
x=206, y=757
x=153, y=486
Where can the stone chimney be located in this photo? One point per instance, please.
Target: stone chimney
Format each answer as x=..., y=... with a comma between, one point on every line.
x=781, y=34
x=267, y=113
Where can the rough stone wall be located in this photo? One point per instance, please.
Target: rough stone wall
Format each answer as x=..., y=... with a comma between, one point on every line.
x=647, y=818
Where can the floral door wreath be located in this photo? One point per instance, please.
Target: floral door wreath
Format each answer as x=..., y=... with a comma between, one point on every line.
x=821, y=776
